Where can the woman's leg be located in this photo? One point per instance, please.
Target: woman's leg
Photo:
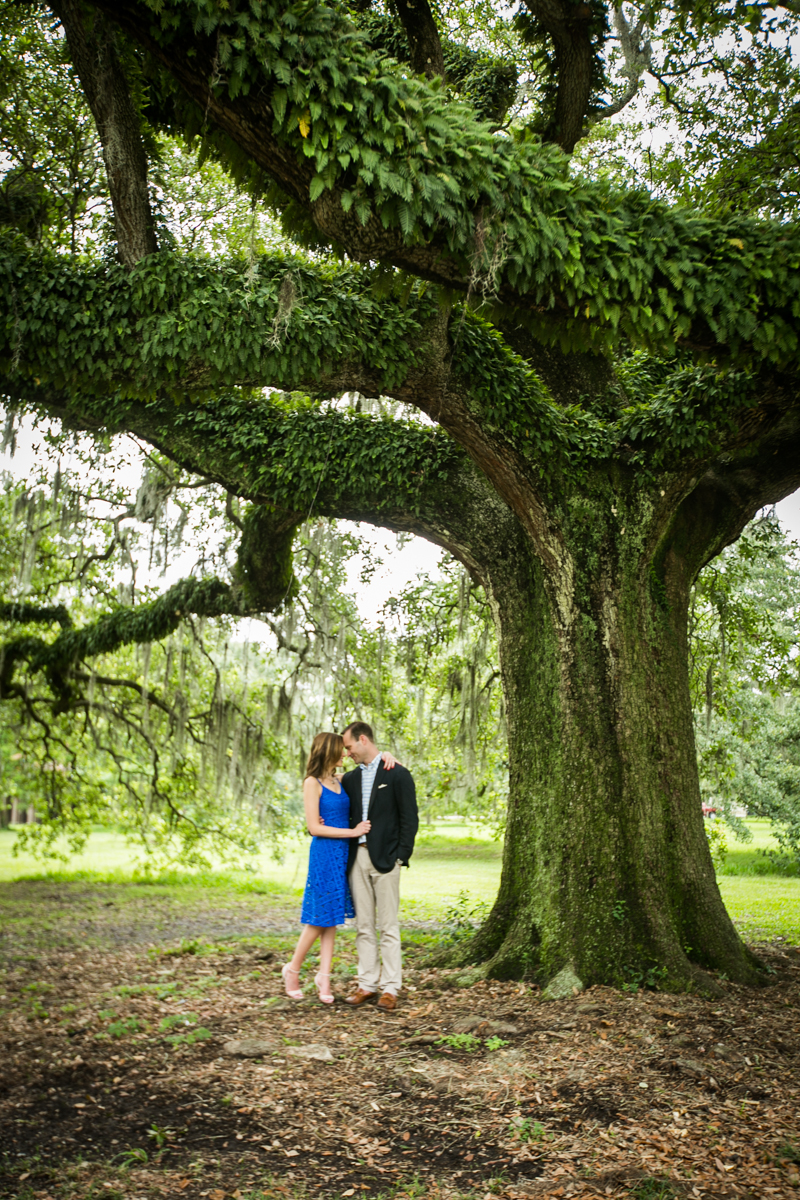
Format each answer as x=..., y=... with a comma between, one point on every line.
x=291, y=971
x=309, y=935
x=327, y=940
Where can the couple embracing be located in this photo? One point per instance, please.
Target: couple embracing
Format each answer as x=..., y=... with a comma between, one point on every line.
x=363, y=826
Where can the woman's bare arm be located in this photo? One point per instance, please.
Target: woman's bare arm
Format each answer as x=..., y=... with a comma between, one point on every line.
x=312, y=790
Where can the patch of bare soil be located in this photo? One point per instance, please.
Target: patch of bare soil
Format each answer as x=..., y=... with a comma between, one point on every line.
x=119, y=1077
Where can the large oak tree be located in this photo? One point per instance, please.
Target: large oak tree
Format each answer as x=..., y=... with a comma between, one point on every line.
x=610, y=387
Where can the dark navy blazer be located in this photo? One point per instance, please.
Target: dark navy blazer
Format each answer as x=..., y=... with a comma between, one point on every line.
x=392, y=811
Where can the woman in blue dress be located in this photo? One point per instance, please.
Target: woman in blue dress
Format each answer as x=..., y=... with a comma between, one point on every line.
x=327, y=900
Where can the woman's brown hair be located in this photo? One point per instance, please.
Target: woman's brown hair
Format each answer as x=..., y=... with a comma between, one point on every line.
x=323, y=758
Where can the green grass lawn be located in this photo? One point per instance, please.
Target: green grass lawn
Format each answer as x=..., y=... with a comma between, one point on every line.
x=763, y=906
x=449, y=860
x=748, y=858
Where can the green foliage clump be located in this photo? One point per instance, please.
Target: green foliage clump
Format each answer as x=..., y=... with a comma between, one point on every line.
x=145, y=332
x=461, y=918
x=460, y=1041
x=123, y=1028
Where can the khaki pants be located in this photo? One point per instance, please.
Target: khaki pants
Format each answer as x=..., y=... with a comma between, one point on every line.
x=376, y=895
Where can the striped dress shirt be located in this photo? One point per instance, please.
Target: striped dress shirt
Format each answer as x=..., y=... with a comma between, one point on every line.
x=368, y=773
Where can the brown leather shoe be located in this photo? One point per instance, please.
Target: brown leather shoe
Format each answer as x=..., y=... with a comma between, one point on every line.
x=388, y=1002
x=361, y=997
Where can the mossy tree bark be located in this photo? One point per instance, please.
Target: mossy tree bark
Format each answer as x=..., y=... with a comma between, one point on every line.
x=606, y=865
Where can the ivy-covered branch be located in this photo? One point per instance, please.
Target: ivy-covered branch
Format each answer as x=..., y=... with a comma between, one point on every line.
x=35, y=614
x=144, y=623
x=180, y=325
x=295, y=463
x=392, y=169
x=175, y=328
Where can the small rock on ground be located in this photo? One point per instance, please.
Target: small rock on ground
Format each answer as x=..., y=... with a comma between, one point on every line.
x=316, y=1050
x=279, y=1003
x=483, y=1025
x=247, y=1048
x=566, y=983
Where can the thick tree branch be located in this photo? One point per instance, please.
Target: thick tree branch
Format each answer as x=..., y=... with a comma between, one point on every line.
x=707, y=509
x=423, y=36
x=569, y=27
x=145, y=623
x=458, y=372
x=403, y=476
x=637, y=55
x=91, y=46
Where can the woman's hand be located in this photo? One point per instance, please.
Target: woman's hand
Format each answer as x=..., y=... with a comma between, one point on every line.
x=389, y=760
x=361, y=828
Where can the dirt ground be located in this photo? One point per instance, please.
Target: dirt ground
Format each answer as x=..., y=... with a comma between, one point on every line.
x=123, y=1071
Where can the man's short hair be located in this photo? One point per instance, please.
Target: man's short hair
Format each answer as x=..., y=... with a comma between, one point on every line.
x=359, y=729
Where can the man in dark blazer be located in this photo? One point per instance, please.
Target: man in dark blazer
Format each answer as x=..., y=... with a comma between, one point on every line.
x=388, y=799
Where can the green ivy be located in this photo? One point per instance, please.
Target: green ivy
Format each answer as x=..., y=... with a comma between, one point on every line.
x=175, y=325
x=179, y=329
x=588, y=264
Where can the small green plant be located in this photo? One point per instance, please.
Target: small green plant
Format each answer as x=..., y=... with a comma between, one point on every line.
x=124, y=1027
x=717, y=843
x=651, y=1188
x=788, y=1152
x=136, y=989
x=187, y=946
x=129, y=1157
x=527, y=1130
x=160, y=1135
x=200, y=1034
x=186, y=1018
x=107, y=1014
x=495, y=1043
x=461, y=918
x=68, y=1009
x=460, y=1041
x=620, y=911
x=644, y=977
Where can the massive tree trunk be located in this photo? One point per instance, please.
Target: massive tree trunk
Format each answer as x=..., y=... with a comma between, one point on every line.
x=606, y=865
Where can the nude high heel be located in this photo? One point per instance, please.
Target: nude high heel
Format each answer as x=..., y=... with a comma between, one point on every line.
x=325, y=997
x=292, y=993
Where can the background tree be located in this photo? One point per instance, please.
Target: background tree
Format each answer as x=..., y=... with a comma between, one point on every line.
x=743, y=671
x=620, y=406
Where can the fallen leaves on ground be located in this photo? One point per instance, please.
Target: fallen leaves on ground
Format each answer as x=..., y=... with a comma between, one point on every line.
x=106, y=1087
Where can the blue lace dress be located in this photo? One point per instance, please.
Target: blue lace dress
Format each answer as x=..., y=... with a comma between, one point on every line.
x=327, y=900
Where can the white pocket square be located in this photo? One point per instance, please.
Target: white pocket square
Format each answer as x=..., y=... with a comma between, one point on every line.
x=380, y=785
